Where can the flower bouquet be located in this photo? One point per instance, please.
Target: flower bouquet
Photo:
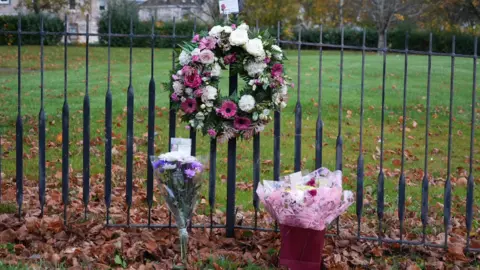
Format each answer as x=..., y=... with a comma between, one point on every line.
x=180, y=178
x=304, y=206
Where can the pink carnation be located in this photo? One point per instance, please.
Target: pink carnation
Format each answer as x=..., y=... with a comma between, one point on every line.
x=234, y=26
x=228, y=109
x=198, y=93
x=196, y=38
x=241, y=123
x=267, y=60
x=175, y=97
x=195, y=58
x=277, y=70
x=212, y=133
x=207, y=43
x=191, y=79
x=230, y=59
x=189, y=105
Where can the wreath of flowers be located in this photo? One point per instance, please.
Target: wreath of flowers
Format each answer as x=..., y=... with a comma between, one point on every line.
x=252, y=55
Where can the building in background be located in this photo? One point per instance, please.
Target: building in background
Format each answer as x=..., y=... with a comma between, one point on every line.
x=166, y=10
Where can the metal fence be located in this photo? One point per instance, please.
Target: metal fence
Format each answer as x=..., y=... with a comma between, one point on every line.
x=230, y=225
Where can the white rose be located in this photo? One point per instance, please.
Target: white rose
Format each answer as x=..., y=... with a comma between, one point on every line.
x=247, y=103
x=243, y=26
x=207, y=57
x=189, y=91
x=238, y=37
x=196, y=52
x=184, y=58
x=255, y=48
x=209, y=93
x=227, y=29
x=178, y=87
x=215, y=31
x=216, y=70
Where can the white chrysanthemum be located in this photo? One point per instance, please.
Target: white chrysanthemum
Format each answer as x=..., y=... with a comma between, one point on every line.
x=238, y=37
x=277, y=52
x=255, y=68
x=227, y=29
x=175, y=156
x=188, y=91
x=255, y=48
x=284, y=89
x=209, y=94
x=246, y=103
x=215, y=31
x=243, y=26
x=216, y=70
x=184, y=58
x=277, y=98
x=178, y=87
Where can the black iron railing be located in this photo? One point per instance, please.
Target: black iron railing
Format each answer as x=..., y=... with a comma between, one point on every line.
x=230, y=225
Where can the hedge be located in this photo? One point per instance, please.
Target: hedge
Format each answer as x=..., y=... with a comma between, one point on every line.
x=418, y=39
x=31, y=22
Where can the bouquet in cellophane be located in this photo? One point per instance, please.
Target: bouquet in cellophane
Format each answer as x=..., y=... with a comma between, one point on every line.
x=180, y=177
x=304, y=206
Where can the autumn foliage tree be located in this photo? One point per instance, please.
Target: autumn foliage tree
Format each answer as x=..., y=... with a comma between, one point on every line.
x=269, y=12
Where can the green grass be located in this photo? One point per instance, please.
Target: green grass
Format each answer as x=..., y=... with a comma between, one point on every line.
x=416, y=112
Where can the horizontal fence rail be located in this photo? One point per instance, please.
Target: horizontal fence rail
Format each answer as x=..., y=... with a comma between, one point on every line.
x=231, y=209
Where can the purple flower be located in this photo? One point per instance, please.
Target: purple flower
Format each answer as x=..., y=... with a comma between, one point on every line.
x=197, y=166
x=223, y=7
x=241, y=123
x=267, y=60
x=228, y=109
x=198, y=93
x=207, y=43
x=277, y=70
x=175, y=97
x=230, y=59
x=212, y=133
x=189, y=105
x=158, y=163
x=234, y=26
x=190, y=173
x=196, y=38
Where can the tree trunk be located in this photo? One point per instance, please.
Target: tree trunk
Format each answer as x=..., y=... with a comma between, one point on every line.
x=381, y=40
x=36, y=6
x=340, y=7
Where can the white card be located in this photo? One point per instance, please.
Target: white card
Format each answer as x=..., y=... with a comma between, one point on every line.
x=231, y=6
x=181, y=145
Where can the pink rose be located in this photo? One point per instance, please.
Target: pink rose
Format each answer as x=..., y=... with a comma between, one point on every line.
x=230, y=59
x=277, y=70
x=207, y=57
x=208, y=43
x=188, y=70
x=192, y=79
x=198, y=93
x=195, y=58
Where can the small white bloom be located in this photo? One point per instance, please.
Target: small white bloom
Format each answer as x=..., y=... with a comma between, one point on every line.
x=255, y=68
x=246, y=103
x=243, y=26
x=251, y=82
x=178, y=87
x=209, y=94
x=184, y=58
x=227, y=29
x=169, y=166
x=202, y=106
x=216, y=70
x=183, y=99
x=255, y=48
x=200, y=116
x=188, y=91
x=238, y=37
x=283, y=105
x=180, y=73
x=215, y=31
x=266, y=112
x=277, y=52
x=284, y=89
x=196, y=52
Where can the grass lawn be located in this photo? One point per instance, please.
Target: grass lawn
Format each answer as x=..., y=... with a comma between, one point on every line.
x=416, y=113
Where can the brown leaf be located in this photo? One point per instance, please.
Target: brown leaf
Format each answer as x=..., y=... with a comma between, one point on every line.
x=414, y=124
x=7, y=236
x=59, y=138
x=475, y=243
x=456, y=251
x=397, y=162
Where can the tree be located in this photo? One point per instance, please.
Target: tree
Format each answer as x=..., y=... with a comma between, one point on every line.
x=53, y=6
x=384, y=12
x=269, y=12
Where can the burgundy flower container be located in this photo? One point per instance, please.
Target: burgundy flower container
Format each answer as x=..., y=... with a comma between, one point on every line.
x=301, y=248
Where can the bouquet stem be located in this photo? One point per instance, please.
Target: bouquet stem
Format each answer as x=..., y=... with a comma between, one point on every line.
x=183, y=236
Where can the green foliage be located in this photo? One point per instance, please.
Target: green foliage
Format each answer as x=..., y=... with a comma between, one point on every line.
x=119, y=261
x=31, y=23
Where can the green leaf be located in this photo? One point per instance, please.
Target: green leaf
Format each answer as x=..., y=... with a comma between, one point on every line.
x=118, y=260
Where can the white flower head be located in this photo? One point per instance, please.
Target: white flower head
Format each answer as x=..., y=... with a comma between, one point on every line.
x=196, y=52
x=255, y=68
x=184, y=58
x=209, y=94
x=188, y=91
x=215, y=31
x=255, y=48
x=247, y=103
x=277, y=52
x=227, y=29
x=238, y=37
x=178, y=87
x=284, y=89
x=216, y=70
x=243, y=26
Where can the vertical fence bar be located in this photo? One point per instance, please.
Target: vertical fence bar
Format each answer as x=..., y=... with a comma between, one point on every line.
x=173, y=113
x=256, y=174
x=298, y=111
x=108, y=129
x=232, y=166
x=424, y=214
x=470, y=183
x=448, y=183
x=339, y=143
x=381, y=176
x=361, y=161
x=130, y=103
x=41, y=124
x=151, y=125
x=276, y=133
x=1, y=157
x=19, y=124
x=401, y=181
x=193, y=132
x=319, y=124
x=65, y=126
x=86, y=129
x=212, y=179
